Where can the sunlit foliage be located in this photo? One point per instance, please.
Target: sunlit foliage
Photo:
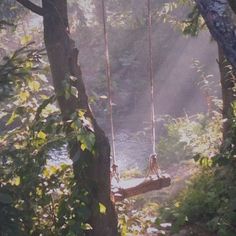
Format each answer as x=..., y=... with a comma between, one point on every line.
x=16, y=69
x=35, y=197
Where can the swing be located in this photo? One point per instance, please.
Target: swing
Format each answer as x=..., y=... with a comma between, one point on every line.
x=153, y=180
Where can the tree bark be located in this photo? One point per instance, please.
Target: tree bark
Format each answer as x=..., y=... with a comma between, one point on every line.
x=228, y=80
x=91, y=170
x=218, y=17
x=232, y=4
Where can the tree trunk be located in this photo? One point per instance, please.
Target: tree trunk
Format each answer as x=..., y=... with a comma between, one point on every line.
x=227, y=79
x=91, y=169
x=232, y=4
x=219, y=20
x=219, y=17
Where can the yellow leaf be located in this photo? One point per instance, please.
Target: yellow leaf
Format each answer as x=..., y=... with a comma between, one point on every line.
x=24, y=95
x=44, y=97
x=177, y=204
x=46, y=173
x=29, y=64
x=25, y=39
x=34, y=85
x=42, y=135
x=102, y=208
x=16, y=181
x=81, y=113
x=53, y=170
x=49, y=171
x=19, y=145
x=12, y=118
x=83, y=146
x=39, y=191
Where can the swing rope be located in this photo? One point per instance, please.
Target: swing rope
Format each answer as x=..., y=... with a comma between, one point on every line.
x=151, y=77
x=109, y=84
x=142, y=185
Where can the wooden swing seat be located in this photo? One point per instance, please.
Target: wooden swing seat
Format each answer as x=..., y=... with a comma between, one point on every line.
x=136, y=186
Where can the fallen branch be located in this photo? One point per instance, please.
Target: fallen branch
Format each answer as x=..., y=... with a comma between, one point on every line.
x=134, y=187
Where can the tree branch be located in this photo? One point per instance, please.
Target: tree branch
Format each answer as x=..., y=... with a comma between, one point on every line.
x=31, y=6
x=218, y=17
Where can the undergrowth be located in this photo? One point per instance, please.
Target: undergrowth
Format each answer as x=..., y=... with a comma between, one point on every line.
x=209, y=202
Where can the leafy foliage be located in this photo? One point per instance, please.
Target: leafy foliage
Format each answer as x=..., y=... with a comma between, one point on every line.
x=190, y=136
x=210, y=198
x=208, y=201
x=191, y=25
x=14, y=70
x=37, y=198
x=135, y=221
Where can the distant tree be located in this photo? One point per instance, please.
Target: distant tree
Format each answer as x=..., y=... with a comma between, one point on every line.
x=90, y=150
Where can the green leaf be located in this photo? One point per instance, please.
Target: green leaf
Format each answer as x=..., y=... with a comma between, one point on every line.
x=90, y=141
x=12, y=118
x=87, y=140
x=5, y=198
x=76, y=124
x=102, y=208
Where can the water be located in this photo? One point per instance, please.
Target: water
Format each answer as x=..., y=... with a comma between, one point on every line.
x=59, y=156
x=132, y=151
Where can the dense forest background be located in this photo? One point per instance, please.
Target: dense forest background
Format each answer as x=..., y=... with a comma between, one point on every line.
x=46, y=187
